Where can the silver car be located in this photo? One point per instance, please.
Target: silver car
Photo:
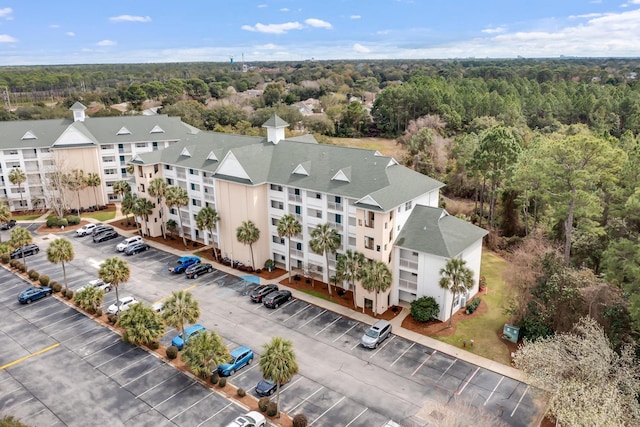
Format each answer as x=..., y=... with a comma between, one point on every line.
x=377, y=333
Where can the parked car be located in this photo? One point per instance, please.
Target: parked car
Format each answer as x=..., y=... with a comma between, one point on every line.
x=33, y=293
x=276, y=299
x=128, y=241
x=86, y=229
x=105, y=235
x=158, y=307
x=100, y=228
x=266, y=387
x=183, y=263
x=97, y=283
x=250, y=419
x=198, y=270
x=189, y=333
x=240, y=357
x=136, y=248
x=31, y=249
x=377, y=333
x=7, y=225
x=261, y=291
x=122, y=305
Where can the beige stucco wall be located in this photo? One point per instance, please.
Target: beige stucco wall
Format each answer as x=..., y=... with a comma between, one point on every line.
x=144, y=175
x=86, y=159
x=236, y=203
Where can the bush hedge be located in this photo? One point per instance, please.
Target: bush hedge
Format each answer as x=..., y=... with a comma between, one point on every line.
x=112, y=318
x=300, y=420
x=272, y=409
x=172, y=352
x=52, y=221
x=262, y=403
x=473, y=305
x=44, y=280
x=63, y=222
x=424, y=309
x=6, y=258
x=99, y=313
x=68, y=294
x=57, y=287
x=33, y=275
x=222, y=382
x=73, y=220
x=241, y=393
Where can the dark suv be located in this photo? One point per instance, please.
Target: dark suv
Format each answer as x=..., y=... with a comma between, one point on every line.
x=28, y=250
x=198, y=269
x=101, y=229
x=261, y=291
x=7, y=225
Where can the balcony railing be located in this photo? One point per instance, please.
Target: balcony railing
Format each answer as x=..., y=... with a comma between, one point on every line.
x=407, y=285
x=335, y=206
x=296, y=253
x=181, y=175
x=409, y=264
x=338, y=226
x=295, y=198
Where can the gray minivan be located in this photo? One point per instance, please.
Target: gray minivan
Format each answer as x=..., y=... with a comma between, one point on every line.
x=377, y=333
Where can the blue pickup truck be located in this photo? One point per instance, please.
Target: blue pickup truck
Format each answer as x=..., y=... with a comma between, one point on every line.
x=183, y=263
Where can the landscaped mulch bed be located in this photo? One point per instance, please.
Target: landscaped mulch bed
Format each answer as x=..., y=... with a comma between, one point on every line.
x=436, y=328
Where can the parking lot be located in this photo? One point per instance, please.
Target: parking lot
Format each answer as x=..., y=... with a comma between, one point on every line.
x=340, y=382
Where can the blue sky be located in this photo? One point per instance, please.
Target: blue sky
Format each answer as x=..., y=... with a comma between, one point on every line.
x=73, y=32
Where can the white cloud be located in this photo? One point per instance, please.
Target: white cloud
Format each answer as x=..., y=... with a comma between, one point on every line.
x=360, y=48
x=54, y=26
x=495, y=30
x=317, y=23
x=262, y=6
x=273, y=28
x=6, y=13
x=355, y=17
x=268, y=46
x=5, y=38
x=130, y=18
x=106, y=43
x=585, y=16
x=70, y=33
x=284, y=9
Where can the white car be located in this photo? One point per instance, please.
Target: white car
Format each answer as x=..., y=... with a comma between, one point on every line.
x=250, y=419
x=123, y=305
x=97, y=283
x=86, y=229
x=158, y=307
x=128, y=241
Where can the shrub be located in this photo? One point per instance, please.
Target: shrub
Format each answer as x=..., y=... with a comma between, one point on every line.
x=21, y=267
x=5, y=258
x=483, y=282
x=63, y=222
x=300, y=420
x=73, y=220
x=241, y=393
x=269, y=264
x=172, y=352
x=68, y=294
x=153, y=345
x=57, y=287
x=99, y=313
x=473, y=305
x=5, y=249
x=44, y=280
x=112, y=318
x=13, y=263
x=33, y=275
x=214, y=378
x=222, y=382
x=424, y=309
x=272, y=409
x=52, y=221
x=263, y=403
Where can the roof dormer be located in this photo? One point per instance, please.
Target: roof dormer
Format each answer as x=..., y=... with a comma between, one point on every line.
x=275, y=129
x=78, y=112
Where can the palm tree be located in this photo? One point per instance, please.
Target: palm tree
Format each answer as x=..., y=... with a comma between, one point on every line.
x=141, y=324
x=89, y=299
x=77, y=181
x=278, y=364
x=348, y=267
x=181, y=308
x=17, y=177
x=158, y=188
x=114, y=270
x=176, y=198
x=20, y=237
x=94, y=181
x=5, y=215
x=289, y=226
x=376, y=277
x=248, y=234
x=61, y=251
x=128, y=203
x=120, y=188
x=325, y=239
x=207, y=219
x=143, y=207
x=456, y=278
x=204, y=352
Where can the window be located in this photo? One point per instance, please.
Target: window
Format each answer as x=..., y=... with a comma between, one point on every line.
x=156, y=168
x=193, y=172
x=407, y=206
x=140, y=173
x=123, y=171
x=105, y=147
x=277, y=239
x=196, y=202
x=377, y=248
x=155, y=146
x=368, y=242
x=338, y=199
x=110, y=171
x=298, y=246
x=338, y=219
x=169, y=181
x=275, y=187
x=141, y=145
x=277, y=205
x=318, y=196
x=168, y=167
x=296, y=191
x=298, y=210
x=142, y=188
x=274, y=221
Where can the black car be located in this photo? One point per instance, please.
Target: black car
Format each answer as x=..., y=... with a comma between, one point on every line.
x=266, y=387
x=106, y=235
x=276, y=299
x=101, y=229
x=198, y=270
x=28, y=250
x=8, y=225
x=136, y=248
x=261, y=291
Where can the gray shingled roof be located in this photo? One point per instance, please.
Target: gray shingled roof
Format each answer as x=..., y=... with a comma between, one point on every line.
x=45, y=131
x=275, y=122
x=77, y=106
x=434, y=231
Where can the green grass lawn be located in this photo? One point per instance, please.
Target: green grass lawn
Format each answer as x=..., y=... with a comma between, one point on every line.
x=484, y=329
x=100, y=216
x=25, y=217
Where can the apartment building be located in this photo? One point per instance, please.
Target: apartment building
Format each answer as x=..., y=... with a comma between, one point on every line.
x=368, y=198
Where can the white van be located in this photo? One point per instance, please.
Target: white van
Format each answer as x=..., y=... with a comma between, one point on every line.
x=126, y=242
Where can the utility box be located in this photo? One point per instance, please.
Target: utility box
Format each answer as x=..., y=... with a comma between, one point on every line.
x=511, y=333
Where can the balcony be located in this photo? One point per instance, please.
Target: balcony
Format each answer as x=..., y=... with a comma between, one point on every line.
x=297, y=254
x=408, y=264
x=335, y=206
x=295, y=198
x=181, y=175
x=336, y=225
x=207, y=180
x=407, y=285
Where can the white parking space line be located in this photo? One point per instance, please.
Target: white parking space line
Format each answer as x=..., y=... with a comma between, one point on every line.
x=114, y=358
x=342, y=334
x=77, y=335
x=102, y=349
x=306, y=398
x=246, y=370
x=288, y=386
x=21, y=403
x=212, y=416
x=34, y=414
x=520, y=400
x=135, y=362
x=68, y=327
x=12, y=391
x=283, y=306
x=176, y=393
x=312, y=319
x=62, y=320
x=86, y=343
x=383, y=346
x=328, y=326
x=140, y=376
x=493, y=391
x=260, y=305
x=357, y=416
x=447, y=370
x=160, y=383
x=425, y=361
x=330, y=408
x=45, y=307
x=356, y=345
x=459, y=392
x=403, y=353
x=190, y=406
